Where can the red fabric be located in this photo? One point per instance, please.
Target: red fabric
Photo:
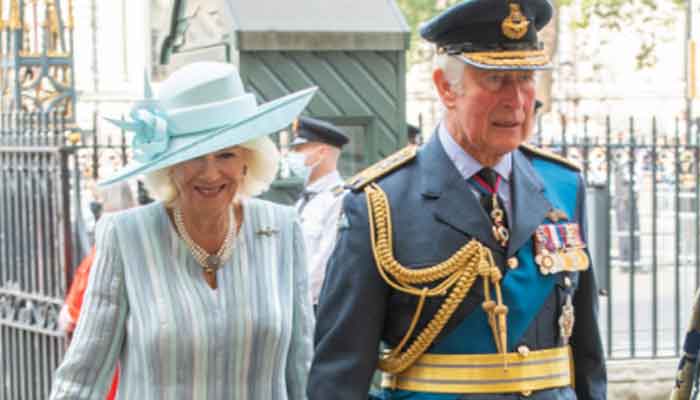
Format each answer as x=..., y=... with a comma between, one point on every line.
x=115, y=382
x=74, y=301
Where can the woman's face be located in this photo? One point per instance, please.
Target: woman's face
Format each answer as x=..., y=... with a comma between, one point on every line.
x=210, y=182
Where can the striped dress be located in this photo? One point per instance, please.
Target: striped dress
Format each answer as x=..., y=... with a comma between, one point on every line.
x=148, y=307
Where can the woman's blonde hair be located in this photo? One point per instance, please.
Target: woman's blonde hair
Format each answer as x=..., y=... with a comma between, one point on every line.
x=262, y=162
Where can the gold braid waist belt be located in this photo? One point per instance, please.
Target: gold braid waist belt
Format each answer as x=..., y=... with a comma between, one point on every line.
x=486, y=373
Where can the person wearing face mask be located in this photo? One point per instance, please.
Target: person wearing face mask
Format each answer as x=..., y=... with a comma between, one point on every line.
x=314, y=157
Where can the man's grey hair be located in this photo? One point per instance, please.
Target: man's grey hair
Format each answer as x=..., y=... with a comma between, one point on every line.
x=263, y=162
x=453, y=69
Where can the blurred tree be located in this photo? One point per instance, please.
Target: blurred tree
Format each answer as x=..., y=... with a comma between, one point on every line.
x=644, y=17
x=417, y=12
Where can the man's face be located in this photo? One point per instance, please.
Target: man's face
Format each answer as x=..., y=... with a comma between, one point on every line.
x=494, y=113
x=313, y=152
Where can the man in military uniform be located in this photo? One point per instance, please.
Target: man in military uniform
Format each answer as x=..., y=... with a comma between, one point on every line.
x=687, y=387
x=315, y=152
x=466, y=259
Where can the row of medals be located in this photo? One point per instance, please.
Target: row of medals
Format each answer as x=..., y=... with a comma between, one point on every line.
x=570, y=259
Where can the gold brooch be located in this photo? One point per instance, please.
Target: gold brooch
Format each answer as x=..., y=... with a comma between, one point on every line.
x=267, y=231
x=515, y=25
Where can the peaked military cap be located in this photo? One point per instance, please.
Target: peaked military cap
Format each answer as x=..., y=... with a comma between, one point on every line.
x=307, y=129
x=492, y=34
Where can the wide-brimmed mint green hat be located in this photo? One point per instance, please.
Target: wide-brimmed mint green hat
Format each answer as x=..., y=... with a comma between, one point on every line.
x=201, y=108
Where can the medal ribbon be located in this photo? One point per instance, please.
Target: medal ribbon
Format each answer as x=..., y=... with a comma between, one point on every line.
x=482, y=186
x=561, y=230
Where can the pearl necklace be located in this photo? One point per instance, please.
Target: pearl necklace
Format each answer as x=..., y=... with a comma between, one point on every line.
x=209, y=262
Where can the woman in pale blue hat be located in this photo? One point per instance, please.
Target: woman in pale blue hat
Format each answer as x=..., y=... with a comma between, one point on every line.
x=201, y=295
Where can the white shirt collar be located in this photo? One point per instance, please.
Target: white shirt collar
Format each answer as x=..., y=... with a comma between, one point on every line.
x=465, y=163
x=326, y=182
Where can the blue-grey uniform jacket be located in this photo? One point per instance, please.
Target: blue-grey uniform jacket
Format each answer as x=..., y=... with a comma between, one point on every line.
x=434, y=213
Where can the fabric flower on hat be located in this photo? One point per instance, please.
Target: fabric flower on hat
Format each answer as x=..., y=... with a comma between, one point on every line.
x=150, y=126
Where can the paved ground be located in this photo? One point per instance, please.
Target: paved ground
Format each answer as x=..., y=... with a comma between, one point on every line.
x=640, y=379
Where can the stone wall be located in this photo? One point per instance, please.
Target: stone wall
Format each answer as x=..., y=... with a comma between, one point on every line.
x=641, y=379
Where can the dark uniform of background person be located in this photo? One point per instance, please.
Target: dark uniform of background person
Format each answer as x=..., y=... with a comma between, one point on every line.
x=413, y=135
x=470, y=303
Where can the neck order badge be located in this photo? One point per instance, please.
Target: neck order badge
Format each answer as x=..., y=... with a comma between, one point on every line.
x=487, y=182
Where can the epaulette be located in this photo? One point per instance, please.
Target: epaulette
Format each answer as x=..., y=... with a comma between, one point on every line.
x=383, y=167
x=549, y=155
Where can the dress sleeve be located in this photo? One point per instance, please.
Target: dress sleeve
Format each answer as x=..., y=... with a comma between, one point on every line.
x=88, y=367
x=299, y=358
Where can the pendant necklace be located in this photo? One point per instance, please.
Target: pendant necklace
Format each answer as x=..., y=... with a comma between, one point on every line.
x=209, y=262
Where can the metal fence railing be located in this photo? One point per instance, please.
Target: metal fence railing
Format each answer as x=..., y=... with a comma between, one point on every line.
x=650, y=270
x=35, y=248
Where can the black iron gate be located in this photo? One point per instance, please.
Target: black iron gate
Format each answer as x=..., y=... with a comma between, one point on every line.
x=647, y=171
x=35, y=250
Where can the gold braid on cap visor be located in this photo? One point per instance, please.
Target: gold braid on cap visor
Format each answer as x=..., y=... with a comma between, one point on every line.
x=458, y=274
x=506, y=58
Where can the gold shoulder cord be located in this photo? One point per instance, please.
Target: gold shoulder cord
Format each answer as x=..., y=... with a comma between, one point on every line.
x=459, y=273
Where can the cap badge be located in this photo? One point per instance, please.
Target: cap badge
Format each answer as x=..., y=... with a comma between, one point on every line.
x=515, y=25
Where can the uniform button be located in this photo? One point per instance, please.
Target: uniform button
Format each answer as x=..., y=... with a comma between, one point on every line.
x=512, y=263
x=567, y=281
x=523, y=350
